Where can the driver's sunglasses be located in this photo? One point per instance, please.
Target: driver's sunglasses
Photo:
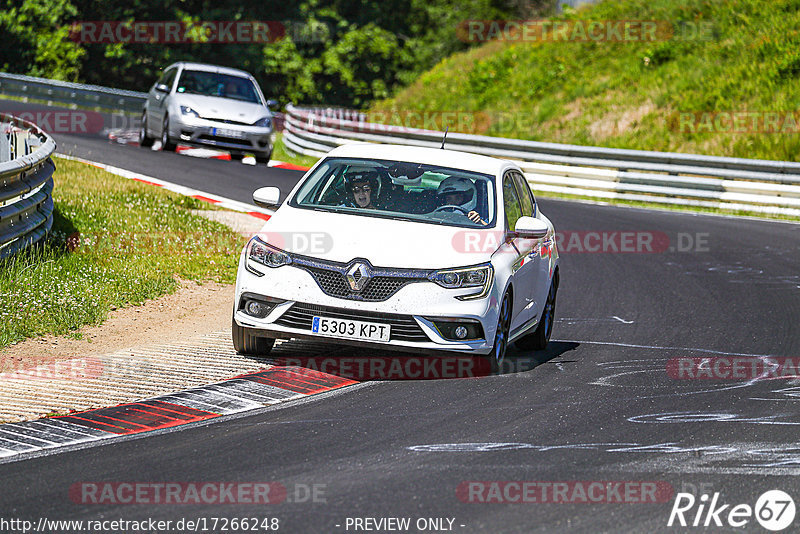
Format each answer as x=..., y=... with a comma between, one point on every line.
x=365, y=189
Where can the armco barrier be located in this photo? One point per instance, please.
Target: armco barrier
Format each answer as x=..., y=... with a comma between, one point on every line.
x=604, y=173
x=26, y=184
x=72, y=94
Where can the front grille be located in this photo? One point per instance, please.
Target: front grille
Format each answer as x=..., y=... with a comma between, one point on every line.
x=378, y=288
x=223, y=139
x=228, y=121
x=404, y=327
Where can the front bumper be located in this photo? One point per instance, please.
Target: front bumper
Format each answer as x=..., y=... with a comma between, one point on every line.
x=411, y=311
x=204, y=132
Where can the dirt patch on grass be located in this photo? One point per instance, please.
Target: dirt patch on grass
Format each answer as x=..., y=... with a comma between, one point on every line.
x=618, y=121
x=192, y=310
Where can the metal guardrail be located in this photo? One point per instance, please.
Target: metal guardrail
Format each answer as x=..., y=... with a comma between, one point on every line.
x=26, y=184
x=604, y=173
x=74, y=95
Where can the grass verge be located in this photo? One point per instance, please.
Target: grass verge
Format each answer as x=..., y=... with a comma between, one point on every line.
x=724, y=80
x=115, y=243
x=281, y=153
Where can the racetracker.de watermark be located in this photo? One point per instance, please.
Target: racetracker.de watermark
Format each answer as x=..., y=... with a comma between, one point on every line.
x=208, y=492
x=736, y=122
x=49, y=368
x=196, y=32
x=564, y=492
x=365, y=368
x=733, y=368
x=583, y=31
x=589, y=242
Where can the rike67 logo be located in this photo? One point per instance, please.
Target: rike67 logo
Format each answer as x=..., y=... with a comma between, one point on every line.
x=774, y=510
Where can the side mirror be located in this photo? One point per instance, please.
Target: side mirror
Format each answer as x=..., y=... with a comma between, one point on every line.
x=531, y=228
x=162, y=88
x=272, y=104
x=267, y=197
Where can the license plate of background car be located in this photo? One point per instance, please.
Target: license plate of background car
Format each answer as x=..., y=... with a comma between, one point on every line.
x=222, y=132
x=347, y=329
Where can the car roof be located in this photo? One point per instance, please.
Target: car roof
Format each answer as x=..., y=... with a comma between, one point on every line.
x=211, y=68
x=433, y=156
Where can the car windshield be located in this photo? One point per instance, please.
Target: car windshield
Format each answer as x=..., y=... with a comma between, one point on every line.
x=412, y=191
x=206, y=83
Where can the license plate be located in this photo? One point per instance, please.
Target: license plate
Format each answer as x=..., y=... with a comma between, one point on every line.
x=223, y=132
x=345, y=328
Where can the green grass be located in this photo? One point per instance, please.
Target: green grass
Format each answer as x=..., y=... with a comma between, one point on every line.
x=631, y=94
x=281, y=153
x=115, y=243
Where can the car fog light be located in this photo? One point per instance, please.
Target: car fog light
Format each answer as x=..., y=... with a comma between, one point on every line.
x=257, y=309
x=461, y=332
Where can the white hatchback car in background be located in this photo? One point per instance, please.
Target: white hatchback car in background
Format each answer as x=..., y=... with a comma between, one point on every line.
x=401, y=248
x=206, y=105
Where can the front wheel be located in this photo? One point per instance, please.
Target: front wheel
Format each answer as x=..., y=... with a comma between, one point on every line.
x=166, y=143
x=263, y=157
x=145, y=141
x=501, y=335
x=246, y=343
x=538, y=339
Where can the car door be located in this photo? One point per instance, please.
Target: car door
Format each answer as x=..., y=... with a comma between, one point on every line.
x=539, y=262
x=523, y=270
x=157, y=101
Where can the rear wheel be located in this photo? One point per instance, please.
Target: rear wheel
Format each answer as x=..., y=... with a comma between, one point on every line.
x=538, y=339
x=145, y=140
x=166, y=143
x=246, y=343
x=501, y=335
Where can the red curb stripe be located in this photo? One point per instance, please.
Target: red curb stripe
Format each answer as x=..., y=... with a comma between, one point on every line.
x=205, y=199
x=147, y=182
x=134, y=418
x=259, y=215
x=291, y=166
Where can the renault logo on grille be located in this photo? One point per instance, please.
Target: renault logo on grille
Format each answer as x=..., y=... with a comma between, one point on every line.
x=357, y=276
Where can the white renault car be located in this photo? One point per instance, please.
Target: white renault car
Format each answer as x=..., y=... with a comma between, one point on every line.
x=400, y=247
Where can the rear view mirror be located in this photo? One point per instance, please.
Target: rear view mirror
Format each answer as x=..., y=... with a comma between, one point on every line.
x=272, y=104
x=267, y=197
x=162, y=88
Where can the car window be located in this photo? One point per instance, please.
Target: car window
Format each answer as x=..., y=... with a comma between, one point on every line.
x=220, y=85
x=525, y=196
x=168, y=77
x=400, y=190
x=511, y=202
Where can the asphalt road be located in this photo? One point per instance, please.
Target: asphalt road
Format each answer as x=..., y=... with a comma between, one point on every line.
x=598, y=405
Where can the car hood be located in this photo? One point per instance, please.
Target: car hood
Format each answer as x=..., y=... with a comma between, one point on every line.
x=213, y=107
x=383, y=242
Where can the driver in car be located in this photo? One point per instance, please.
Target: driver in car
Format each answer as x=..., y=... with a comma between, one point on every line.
x=460, y=193
x=362, y=188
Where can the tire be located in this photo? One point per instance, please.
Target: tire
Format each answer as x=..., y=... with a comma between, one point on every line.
x=246, y=343
x=145, y=141
x=538, y=339
x=166, y=144
x=236, y=157
x=500, y=345
x=263, y=158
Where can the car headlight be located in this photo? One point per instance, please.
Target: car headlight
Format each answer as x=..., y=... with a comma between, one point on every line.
x=262, y=254
x=266, y=122
x=479, y=276
x=186, y=110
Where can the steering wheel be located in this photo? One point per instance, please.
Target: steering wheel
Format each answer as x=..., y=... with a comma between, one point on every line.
x=451, y=207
